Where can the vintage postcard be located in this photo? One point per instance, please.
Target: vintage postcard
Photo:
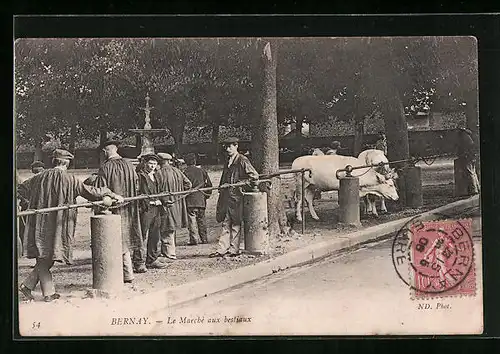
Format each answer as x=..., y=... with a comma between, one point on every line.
x=247, y=186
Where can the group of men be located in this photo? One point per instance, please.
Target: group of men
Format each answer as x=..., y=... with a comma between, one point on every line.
x=148, y=226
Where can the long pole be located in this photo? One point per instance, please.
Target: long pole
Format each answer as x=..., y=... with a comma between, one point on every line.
x=302, y=197
x=128, y=199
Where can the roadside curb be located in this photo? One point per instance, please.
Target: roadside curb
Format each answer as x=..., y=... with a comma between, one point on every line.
x=195, y=290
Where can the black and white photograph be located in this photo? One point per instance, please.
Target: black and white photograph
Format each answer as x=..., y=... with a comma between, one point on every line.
x=233, y=186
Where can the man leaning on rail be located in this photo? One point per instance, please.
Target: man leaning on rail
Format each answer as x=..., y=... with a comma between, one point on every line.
x=47, y=233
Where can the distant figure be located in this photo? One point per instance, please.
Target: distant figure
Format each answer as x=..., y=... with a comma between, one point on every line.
x=197, y=202
x=381, y=143
x=334, y=148
x=317, y=152
x=467, y=151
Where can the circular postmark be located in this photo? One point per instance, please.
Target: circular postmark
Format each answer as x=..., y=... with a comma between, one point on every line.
x=436, y=256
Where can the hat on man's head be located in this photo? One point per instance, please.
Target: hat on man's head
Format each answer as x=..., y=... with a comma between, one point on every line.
x=62, y=154
x=231, y=140
x=148, y=157
x=37, y=164
x=164, y=156
x=109, y=142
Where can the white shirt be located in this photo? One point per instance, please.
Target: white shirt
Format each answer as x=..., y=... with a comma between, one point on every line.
x=231, y=160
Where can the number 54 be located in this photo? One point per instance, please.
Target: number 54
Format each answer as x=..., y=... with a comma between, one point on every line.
x=35, y=325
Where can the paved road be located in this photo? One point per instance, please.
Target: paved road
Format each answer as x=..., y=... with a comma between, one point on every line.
x=357, y=293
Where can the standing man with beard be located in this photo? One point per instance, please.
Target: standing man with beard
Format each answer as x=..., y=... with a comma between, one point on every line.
x=151, y=212
x=171, y=179
x=48, y=233
x=230, y=203
x=119, y=175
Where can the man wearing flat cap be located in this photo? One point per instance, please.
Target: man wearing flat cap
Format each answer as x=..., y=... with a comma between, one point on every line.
x=165, y=158
x=120, y=176
x=230, y=203
x=48, y=234
x=175, y=216
x=151, y=211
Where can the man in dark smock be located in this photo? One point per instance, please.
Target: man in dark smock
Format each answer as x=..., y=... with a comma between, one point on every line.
x=175, y=216
x=48, y=234
x=36, y=168
x=119, y=175
x=230, y=203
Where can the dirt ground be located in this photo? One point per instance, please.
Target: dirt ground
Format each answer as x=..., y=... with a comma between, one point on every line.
x=193, y=262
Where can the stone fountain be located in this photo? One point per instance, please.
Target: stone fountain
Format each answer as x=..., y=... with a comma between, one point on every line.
x=147, y=133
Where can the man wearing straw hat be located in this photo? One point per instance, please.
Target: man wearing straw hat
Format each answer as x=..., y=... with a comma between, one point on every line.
x=48, y=234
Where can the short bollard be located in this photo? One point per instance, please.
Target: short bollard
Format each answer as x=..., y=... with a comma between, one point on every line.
x=459, y=178
x=255, y=227
x=413, y=181
x=349, y=201
x=107, y=261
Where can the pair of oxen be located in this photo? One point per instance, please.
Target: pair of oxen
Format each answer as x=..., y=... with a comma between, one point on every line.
x=374, y=182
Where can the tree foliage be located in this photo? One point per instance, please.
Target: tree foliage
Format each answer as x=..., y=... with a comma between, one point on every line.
x=80, y=86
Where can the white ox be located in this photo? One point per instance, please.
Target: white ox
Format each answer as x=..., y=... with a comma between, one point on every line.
x=373, y=157
x=322, y=177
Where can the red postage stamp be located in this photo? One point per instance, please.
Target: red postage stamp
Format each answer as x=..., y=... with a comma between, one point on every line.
x=442, y=259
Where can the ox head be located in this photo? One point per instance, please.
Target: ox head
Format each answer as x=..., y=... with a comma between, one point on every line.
x=386, y=187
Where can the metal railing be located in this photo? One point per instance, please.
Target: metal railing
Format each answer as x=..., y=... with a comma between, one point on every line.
x=251, y=183
x=412, y=160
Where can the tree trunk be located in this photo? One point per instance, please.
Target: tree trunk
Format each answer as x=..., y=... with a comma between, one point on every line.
x=359, y=132
x=138, y=143
x=471, y=112
x=178, y=135
x=266, y=153
x=38, y=156
x=103, y=136
x=215, y=139
x=72, y=139
x=396, y=129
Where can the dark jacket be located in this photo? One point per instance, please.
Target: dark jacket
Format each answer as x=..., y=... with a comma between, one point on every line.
x=147, y=186
x=230, y=199
x=171, y=179
x=200, y=179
